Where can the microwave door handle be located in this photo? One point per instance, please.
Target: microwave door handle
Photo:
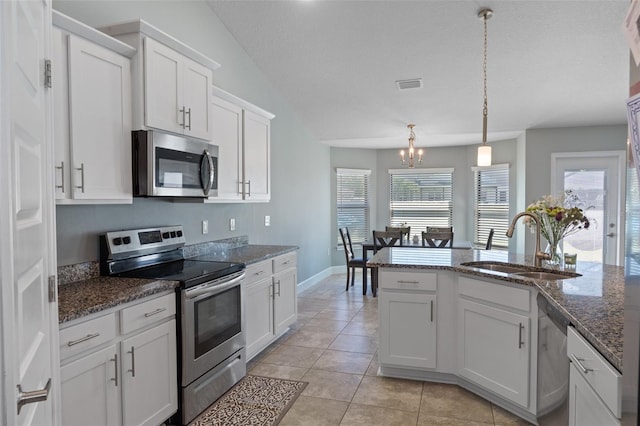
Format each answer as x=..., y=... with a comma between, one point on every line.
x=209, y=184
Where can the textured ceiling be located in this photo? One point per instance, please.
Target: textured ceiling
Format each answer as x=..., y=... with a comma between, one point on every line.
x=550, y=64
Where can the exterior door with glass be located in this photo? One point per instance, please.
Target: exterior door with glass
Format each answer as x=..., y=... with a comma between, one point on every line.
x=598, y=180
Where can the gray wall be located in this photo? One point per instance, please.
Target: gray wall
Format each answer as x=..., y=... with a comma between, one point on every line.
x=299, y=172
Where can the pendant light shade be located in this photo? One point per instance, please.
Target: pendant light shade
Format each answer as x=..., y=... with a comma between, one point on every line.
x=484, y=150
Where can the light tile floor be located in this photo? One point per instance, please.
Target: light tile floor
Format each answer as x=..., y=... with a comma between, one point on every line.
x=333, y=346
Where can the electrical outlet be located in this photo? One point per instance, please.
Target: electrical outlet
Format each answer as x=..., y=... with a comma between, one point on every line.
x=232, y=224
x=205, y=227
x=267, y=221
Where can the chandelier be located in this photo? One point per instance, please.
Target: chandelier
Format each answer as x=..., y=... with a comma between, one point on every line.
x=484, y=150
x=412, y=139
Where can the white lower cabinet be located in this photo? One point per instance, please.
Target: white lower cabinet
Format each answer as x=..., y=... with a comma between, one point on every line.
x=407, y=322
x=493, y=349
x=129, y=380
x=271, y=305
x=585, y=406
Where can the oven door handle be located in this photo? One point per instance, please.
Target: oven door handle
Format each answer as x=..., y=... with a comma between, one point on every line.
x=213, y=289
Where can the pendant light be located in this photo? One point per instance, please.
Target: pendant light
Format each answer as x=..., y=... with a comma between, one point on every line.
x=412, y=139
x=484, y=150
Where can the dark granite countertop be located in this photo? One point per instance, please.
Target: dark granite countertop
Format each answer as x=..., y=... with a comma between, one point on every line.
x=248, y=254
x=81, y=298
x=593, y=302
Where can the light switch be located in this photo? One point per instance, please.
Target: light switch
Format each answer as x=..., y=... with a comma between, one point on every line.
x=267, y=221
x=232, y=224
x=205, y=227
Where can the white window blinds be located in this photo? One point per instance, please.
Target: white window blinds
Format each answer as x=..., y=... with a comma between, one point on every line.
x=353, y=203
x=491, y=204
x=421, y=198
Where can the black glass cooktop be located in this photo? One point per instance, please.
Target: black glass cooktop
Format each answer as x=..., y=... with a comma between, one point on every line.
x=188, y=272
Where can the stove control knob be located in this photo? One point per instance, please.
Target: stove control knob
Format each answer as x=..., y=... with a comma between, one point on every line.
x=117, y=241
x=165, y=235
x=126, y=240
x=173, y=234
x=179, y=233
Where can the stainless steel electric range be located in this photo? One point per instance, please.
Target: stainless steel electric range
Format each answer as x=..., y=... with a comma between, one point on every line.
x=210, y=309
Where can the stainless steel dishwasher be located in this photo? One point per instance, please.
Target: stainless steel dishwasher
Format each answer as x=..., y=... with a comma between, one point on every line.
x=553, y=366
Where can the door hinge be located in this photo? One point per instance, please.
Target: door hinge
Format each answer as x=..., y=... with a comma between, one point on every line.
x=52, y=288
x=47, y=73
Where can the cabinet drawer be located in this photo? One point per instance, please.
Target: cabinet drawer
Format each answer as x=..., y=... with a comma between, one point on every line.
x=258, y=271
x=87, y=335
x=407, y=280
x=605, y=380
x=510, y=297
x=283, y=262
x=142, y=314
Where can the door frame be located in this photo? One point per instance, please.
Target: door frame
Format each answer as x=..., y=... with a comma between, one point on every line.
x=621, y=157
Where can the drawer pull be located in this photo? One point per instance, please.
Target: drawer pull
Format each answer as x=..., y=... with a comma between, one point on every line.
x=152, y=313
x=578, y=362
x=408, y=282
x=520, y=342
x=258, y=273
x=83, y=339
x=287, y=262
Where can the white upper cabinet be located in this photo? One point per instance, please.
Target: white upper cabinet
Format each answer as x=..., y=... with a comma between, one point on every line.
x=242, y=132
x=92, y=122
x=171, y=81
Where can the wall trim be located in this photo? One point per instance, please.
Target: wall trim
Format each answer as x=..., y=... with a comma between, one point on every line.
x=315, y=279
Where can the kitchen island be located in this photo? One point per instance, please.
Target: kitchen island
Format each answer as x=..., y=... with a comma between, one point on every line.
x=444, y=318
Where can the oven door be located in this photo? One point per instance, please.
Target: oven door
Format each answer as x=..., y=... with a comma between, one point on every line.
x=212, y=325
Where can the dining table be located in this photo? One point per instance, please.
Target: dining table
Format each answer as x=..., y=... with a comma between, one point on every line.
x=369, y=245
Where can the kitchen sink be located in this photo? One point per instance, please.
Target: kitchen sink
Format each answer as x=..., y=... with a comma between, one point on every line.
x=497, y=267
x=541, y=275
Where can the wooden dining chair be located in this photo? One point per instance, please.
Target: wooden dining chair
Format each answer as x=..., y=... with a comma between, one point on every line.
x=490, y=240
x=352, y=261
x=406, y=231
x=383, y=239
x=439, y=228
x=437, y=239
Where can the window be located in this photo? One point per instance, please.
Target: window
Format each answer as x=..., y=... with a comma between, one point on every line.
x=353, y=203
x=491, y=193
x=421, y=198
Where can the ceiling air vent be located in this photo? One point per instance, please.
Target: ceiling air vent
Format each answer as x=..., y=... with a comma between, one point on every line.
x=415, y=83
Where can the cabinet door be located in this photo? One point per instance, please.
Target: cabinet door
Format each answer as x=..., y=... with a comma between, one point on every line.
x=149, y=376
x=408, y=324
x=585, y=407
x=163, y=87
x=226, y=123
x=285, y=306
x=196, y=86
x=257, y=157
x=100, y=122
x=259, y=316
x=61, y=113
x=486, y=335
x=90, y=390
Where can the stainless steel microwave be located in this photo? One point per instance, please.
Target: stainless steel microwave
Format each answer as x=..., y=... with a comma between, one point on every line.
x=166, y=165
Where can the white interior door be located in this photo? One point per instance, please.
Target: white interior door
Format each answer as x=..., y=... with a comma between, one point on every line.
x=598, y=179
x=27, y=246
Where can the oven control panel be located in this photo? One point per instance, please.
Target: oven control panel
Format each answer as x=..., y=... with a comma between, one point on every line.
x=144, y=240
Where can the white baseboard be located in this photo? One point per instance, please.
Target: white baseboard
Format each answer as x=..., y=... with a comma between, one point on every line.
x=331, y=270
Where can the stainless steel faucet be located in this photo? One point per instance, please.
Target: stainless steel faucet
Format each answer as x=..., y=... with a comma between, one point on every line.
x=540, y=255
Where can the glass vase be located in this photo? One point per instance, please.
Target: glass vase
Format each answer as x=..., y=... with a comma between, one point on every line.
x=555, y=251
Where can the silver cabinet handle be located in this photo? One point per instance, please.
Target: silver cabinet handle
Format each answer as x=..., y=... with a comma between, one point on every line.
x=578, y=362
x=133, y=361
x=520, y=342
x=61, y=168
x=249, y=186
x=287, y=262
x=611, y=235
x=258, y=273
x=81, y=169
x=432, y=311
x=115, y=364
x=272, y=291
x=152, y=313
x=278, y=282
x=30, y=397
x=188, y=127
x=83, y=339
x=183, y=111
x=408, y=282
